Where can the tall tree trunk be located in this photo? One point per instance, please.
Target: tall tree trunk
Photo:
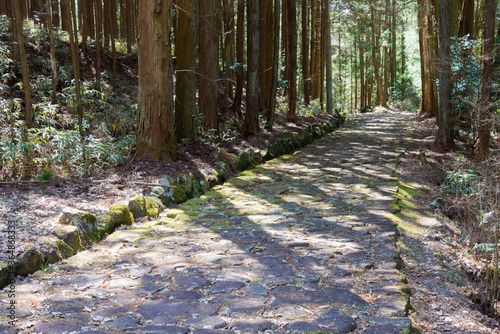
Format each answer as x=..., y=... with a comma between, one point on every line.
x=209, y=62
x=28, y=110
x=275, y=62
x=485, y=102
x=362, y=80
x=229, y=33
x=263, y=31
x=64, y=15
x=424, y=60
x=444, y=135
x=393, y=43
x=113, y=29
x=130, y=26
x=98, y=41
x=185, y=50
x=73, y=37
x=376, y=56
x=55, y=13
x=240, y=55
x=305, y=52
x=155, y=136
x=328, y=47
x=292, y=61
x=53, y=64
x=467, y=19
x=251, y=124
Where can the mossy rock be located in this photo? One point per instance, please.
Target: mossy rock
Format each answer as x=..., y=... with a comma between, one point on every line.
x=186, y=182
x=169, y=195
x=86, y=223
x=244, y=160
x=196, y=188
x=121, y=215
x=30, y=261
x=70, y=235
x=222, y=172
x=254, y=157
x=144, y=206
x=228, y=159
x=54, y=249
x=204, y=186
x=106, y=224
x=4, y=275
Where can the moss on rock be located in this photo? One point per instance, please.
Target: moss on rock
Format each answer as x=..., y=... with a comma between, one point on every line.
x=53, y=249
x=30, y=261
x=71, y=236
x=4, y=275
x=121, y=214
x=86, y=223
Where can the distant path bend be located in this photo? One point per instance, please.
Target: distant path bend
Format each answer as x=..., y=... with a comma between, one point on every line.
x=304, y=243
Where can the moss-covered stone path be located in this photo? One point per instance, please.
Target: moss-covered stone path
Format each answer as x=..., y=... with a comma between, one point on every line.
x=304, y=243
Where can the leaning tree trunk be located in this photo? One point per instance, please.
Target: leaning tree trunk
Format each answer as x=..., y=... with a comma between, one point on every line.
x=155, y=136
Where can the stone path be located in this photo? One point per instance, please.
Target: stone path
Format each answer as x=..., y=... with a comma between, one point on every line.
x=304, y=243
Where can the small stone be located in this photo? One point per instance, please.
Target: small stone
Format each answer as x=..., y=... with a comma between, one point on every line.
x=59, y=326
x=121, y=214
x=123, y=323
x=152, y=329
x=304, y=327
x=382, y=329
x=226, y=286
x=256, y=289
x=84, y=221
x=253, y=326
x=182, y=295
x=299, y=245
x=191, y=283
x=206, y=323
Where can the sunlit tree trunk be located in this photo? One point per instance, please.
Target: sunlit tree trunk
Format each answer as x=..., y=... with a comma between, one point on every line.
x=376, y=56
x=98, y=40
x=155, y=136
x=328, y=47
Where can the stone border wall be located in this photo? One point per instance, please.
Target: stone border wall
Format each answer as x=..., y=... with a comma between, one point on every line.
x=79, y=228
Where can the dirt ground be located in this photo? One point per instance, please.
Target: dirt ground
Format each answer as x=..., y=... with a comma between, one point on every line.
x=445, y=279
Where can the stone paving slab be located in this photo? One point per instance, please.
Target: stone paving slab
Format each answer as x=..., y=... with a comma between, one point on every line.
x=302, y=244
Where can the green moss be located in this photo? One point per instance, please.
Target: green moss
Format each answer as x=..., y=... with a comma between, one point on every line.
x=121, y=215
x=211, y=195
x=106, y=224
x=407, y=190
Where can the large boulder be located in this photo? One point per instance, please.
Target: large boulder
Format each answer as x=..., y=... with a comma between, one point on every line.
x=70, y=235
x=86, y=223
x=30, y=261
x=53, y=249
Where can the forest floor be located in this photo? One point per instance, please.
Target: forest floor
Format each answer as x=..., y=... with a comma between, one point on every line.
x=276, y=247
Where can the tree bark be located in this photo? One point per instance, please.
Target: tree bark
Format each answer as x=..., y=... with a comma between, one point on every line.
x=487, y=75
x=209, y=62
x=328, y=47
x=185, y=49
x=444, y=135
x=155, y=137
x=305, y=52
x=274, y=84
x=251, y=124
x=376, y=57
x=53, y=65
x=240, y=55
x=28, y=109
x=98, y=40
x=292, y=61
